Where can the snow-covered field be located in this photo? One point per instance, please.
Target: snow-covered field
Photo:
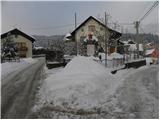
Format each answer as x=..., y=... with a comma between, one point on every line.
x=9, y=67
x=86, y=89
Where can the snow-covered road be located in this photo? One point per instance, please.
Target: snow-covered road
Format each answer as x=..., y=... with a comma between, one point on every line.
x=19, y=88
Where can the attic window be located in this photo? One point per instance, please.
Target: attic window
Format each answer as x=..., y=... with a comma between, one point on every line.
x=82, y=29
x=16, y=36
x=91, y=28
x=101, y=28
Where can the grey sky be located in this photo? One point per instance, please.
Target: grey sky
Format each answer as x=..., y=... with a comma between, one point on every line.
x=51, y=18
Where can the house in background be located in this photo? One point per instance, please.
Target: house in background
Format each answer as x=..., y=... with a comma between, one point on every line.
x=152, y=55
x=90, y=35
x=150, y=45
x=24, y=42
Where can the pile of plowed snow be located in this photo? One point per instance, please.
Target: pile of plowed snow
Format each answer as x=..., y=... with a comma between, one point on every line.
x=83, y=83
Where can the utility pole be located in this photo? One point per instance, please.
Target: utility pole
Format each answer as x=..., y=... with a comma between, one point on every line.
x=122, y=29
x=137, y=36
x=107, y=17
x=126, y=30
x=75, y=18
x=105, y=38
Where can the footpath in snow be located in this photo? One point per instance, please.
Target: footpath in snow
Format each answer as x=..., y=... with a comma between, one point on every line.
x=83, y=89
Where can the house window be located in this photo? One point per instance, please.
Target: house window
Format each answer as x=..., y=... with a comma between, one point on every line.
x=82, y=39
x=16, y=36
x=101, y=28
x=91, y=28
x=82, y=29
x=21, y=44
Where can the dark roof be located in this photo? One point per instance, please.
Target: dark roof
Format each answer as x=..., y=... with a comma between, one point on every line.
x=131, y=42
x=114, y=34
x=18, y=32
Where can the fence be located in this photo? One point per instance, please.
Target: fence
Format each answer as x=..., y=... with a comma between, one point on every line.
x=120, y=62
x=112, y=63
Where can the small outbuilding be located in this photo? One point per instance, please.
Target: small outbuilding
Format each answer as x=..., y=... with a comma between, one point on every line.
x=23, y=41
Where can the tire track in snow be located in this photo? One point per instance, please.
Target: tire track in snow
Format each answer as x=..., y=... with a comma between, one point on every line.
x=18, y=93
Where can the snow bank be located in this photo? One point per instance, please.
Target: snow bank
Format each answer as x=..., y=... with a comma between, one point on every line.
x=139, y=94
x=9, y=67
x=83, y=83
x=88, y=87
x=38, y=48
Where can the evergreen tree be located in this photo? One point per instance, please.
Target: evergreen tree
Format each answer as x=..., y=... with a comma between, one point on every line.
x=9, y=48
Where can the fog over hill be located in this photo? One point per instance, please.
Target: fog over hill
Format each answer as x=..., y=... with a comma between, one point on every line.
x=46, y=41
x=147, y=29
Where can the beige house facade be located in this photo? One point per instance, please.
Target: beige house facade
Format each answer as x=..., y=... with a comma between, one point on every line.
x=96, y=29
x=23, y=42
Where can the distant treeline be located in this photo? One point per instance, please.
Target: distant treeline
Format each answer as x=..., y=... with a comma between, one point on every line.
x=145, y=37
x=55, y=40
x=46, y=41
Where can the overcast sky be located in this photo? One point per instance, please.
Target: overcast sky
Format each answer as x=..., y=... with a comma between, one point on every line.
x=51, y=18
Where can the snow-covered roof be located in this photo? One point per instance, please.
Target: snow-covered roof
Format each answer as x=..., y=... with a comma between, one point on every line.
x=68, y=35
x=131, y=41
x=125, y=42
x=128, y=42
x=66, y=38
x=19, y=32
x=113, y=34
x=38, y=48
x=148, y=52
x=149, y=44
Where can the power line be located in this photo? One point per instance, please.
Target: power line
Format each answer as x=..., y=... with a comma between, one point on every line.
x=52, y=27
x=152, y=7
